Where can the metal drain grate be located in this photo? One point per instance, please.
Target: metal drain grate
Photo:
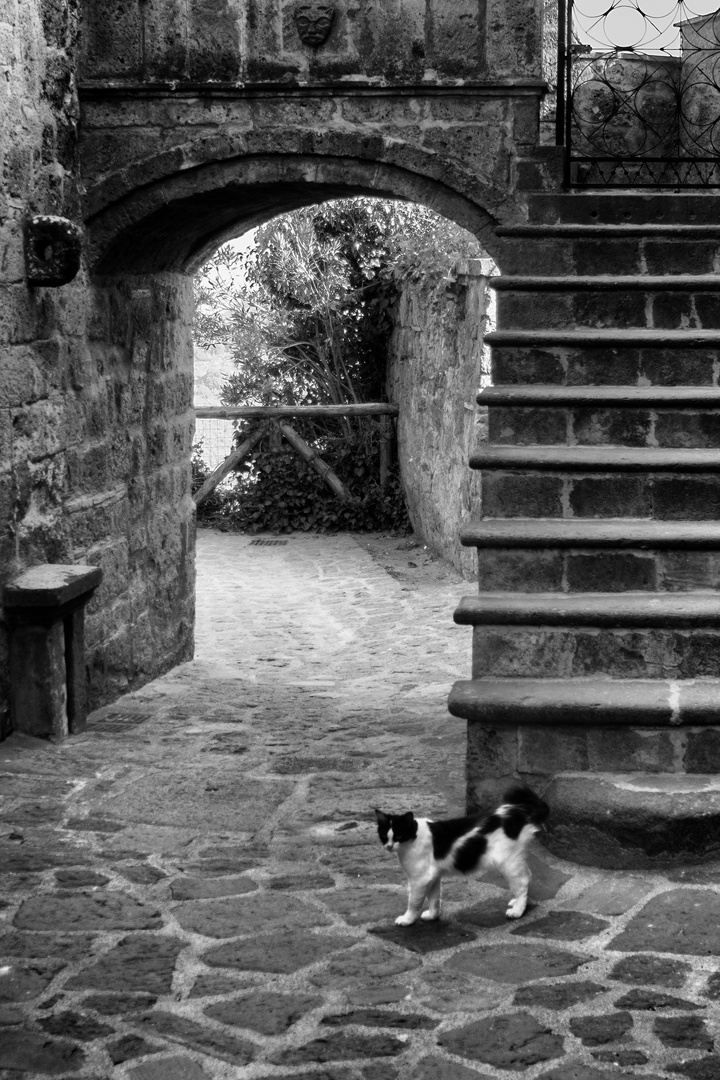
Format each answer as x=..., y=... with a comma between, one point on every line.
x=267, y=543
x=117, y=722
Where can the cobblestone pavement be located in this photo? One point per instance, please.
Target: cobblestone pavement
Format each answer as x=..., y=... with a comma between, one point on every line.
x=194, y=888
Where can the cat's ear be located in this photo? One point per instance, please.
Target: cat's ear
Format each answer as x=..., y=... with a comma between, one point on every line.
x=382, y=819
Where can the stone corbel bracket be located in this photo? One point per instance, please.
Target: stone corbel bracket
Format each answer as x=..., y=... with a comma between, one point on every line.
x=53, y=250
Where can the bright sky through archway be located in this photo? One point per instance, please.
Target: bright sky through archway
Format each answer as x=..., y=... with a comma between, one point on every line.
x=647, y=26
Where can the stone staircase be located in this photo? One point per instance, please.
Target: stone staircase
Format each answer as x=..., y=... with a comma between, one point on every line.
x=596, y=630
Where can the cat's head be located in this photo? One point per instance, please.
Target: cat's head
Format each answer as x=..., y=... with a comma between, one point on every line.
x=395, y=829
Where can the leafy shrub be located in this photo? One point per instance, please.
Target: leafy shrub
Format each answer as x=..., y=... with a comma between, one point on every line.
x=306, y=313
x=275, y=490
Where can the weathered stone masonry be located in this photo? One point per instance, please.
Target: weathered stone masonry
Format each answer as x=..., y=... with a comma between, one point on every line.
x=435, y=368
x=595, y=655
x=196, y=120
x=596, y=626
x=95, y=389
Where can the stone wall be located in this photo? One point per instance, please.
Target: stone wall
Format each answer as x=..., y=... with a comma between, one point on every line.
x=435, y=370
x=258, y=41
x=95, y=390
x=39, y=330
x=130, y=510
x=184, y=122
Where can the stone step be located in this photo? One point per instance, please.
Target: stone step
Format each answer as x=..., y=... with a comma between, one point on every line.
x=593, y=360
x=607, y=533
x=602, y=310
x=596, y=459
x=587, y=702
x=606, y=283
x=574, y=652
x=572, y=495
x=645, y=609
x=624, y=207
x=603, y=425
x=586, y=251
x=600, y=338
x=632, y=821
x=616, y=397
x=616, y=231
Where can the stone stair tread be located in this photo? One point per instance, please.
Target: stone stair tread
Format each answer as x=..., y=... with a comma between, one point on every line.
x=587, y=702
x=590, y=533
x=597, y=458
x=601, y=337
x=590, y=609
x=600, y=282
x=535, y=394
x=640, y=781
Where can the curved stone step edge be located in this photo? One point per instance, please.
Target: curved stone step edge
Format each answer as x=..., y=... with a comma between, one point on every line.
x=606, y=283
x=594, y=338
x=632, y=821
x=591, y=702
x=617, y=610
x=595, y=459
x=536, y=395
x=621, y=533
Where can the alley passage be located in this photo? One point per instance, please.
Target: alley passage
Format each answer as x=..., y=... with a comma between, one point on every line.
x=194, y=888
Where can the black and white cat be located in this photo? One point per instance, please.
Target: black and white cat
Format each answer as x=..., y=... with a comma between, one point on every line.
x=430, y=850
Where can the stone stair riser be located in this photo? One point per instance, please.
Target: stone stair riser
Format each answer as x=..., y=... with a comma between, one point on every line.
x=529, y=426
x=654, y=209
x=617, y=255
x=551, y=570
x=579, y=652
x=665, y=310
x=659, y=497
x=563, y=365
x=538, y=753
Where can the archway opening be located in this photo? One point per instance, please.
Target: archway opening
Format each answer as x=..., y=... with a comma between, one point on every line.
x=340, y=305
x=146, y=244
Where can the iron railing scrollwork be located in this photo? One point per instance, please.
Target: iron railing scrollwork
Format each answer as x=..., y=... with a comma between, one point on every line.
x=642, y=93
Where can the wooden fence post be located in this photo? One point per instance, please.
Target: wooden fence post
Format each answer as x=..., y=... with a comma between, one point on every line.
x=313, y=458
x=230, y=463
x=385, y=448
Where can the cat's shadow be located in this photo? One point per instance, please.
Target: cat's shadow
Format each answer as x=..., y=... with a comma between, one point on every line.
x=424, y=937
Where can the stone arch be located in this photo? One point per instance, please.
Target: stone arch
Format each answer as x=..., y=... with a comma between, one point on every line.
x=150, y=225
x=186, y=208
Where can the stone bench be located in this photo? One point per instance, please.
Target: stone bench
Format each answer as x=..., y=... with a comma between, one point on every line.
x=45, y=613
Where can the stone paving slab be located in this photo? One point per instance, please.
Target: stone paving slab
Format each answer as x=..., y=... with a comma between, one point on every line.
x=193, y=889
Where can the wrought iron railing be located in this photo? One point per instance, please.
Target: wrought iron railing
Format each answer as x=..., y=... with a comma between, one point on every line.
x=641, y=106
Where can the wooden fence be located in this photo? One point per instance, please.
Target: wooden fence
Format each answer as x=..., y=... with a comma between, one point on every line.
x=278, y=415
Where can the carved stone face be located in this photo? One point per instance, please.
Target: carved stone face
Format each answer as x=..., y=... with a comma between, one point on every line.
x=314, y=22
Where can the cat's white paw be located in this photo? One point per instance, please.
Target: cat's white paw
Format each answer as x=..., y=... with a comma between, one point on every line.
x=405, y=920
x=430, y=916
x=515, y=909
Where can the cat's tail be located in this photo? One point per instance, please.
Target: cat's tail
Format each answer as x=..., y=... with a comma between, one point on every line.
x=525, y=802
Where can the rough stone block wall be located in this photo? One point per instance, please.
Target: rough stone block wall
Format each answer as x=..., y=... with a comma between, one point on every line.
x=95, y=390
x=257, y=41
x=40, y=330
x=130, y=508
x=434, y=373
